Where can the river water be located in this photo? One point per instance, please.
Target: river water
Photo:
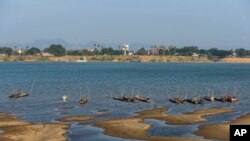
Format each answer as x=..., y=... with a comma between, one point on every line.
x=98, y=80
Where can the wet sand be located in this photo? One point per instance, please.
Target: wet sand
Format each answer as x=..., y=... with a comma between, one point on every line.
x=211, y=131
x=80, y=118
x=182, y=119
x=17, y=130
x=130, y=128
x=135, y=128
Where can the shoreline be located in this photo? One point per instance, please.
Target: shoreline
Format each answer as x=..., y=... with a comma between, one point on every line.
x=80, y=118
x=222, y=127
x=15, y=129
x=135, y=127
x=116, y=58
x=105, y=58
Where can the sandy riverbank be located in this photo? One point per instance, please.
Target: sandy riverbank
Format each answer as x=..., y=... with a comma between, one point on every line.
x=106, y=58
x=118, y=58
x=235, y=60
x=211, y=131
x=80, y=118
x=135, y=128
x=182, y=119
x=17, y=130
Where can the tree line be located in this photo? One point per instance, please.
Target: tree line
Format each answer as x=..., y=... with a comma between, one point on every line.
x=59, y=50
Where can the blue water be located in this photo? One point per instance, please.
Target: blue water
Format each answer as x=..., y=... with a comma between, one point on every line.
x=101, y=79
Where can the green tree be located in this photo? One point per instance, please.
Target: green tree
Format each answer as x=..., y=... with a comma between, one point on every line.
x=6, y=50
x=241, y=52
x=105, y=51
x=142, y=51
x=117, y=52
x=56, y=49
x=86, y=52
x=74, y=52
x=219, y=53
x=172, y=50
x=188, y=51
x=96, y=52
x=33, y=51
x=203, y=51
x=162, y=51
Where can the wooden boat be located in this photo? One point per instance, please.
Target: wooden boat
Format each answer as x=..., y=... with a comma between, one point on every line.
x=228, y=98
x=209, y=98
x=221, y=99
x=195, y=100
x=83, y=100
x=139, y=98
x=118, y=98
x=128, y=99
x=18, y=94
x=124, y=98
x=232, y=99
x=176, y=100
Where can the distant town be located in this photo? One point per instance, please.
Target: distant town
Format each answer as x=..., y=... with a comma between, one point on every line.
x=192, y=53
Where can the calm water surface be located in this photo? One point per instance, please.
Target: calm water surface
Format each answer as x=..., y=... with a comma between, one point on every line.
x=97, y=80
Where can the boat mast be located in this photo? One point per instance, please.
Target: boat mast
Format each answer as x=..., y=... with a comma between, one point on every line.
x=167, y=93
x=186, y=92
x=88, y=89
x=32, y=85
x=132, y=92
x=235, y=90
x=208, y=92
x=177, y=91
x=81, y=92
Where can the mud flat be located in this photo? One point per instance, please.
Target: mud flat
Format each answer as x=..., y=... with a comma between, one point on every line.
x=221, y=131
x=182, y=119
x=135, y=128
x=80, y=118
x=17, y=130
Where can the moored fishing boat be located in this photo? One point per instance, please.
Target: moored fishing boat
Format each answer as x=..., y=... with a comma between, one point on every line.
x=18, y=94
x=177, y=100
x=209, y=98
x=139, y=98
x=83, y=100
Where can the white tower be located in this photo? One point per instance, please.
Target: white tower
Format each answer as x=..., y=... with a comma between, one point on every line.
x=125, y=48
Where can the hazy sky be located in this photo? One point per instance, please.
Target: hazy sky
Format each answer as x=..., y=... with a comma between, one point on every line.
x=205, y=23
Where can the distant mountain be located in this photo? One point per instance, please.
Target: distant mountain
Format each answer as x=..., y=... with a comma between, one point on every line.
x=44, y=43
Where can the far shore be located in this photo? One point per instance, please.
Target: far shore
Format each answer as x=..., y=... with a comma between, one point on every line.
x=116, y=58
